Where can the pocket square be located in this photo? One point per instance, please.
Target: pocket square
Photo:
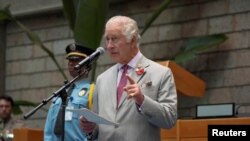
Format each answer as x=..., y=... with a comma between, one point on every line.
x=147, y=84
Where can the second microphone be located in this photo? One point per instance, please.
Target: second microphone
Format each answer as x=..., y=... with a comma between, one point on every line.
x=88, y=60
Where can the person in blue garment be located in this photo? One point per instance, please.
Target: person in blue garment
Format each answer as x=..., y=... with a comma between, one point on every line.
x=79, y=96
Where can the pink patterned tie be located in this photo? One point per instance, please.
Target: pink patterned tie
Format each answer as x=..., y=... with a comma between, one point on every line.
x=122, y=83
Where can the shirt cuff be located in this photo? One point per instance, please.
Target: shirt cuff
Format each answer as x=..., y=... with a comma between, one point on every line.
x=90, y=136
x=139, y=109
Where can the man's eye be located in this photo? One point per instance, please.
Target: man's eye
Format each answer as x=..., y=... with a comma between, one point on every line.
x=115, y=39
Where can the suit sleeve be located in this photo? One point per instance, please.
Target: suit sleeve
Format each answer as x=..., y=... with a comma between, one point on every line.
x=162, y=111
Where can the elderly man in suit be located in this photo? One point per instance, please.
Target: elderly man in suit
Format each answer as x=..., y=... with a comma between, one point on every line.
x=137, y=93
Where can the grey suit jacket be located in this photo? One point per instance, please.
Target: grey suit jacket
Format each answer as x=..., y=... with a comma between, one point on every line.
x=159, y=108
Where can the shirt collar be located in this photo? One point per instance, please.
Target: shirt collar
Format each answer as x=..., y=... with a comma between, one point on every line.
x=80, y=82
x=132, y=63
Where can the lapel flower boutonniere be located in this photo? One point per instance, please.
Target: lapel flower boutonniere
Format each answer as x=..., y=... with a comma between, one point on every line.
x=139, y=70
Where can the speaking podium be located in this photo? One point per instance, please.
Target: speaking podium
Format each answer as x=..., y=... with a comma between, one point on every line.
x=186, y=83
x=28, y=134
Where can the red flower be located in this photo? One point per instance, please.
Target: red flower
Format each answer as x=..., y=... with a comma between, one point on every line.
x=139, y=70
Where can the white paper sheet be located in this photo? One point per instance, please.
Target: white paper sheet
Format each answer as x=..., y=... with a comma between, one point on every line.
x=93, y=117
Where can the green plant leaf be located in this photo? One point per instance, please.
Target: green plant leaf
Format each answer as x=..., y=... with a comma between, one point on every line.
x=31, y=35
x=36, y=40
x=152, y=18
x=5, y=13
x=90, y=20
x=17, y=109
x=70, y=12
x=204, y=42
x=196, y=45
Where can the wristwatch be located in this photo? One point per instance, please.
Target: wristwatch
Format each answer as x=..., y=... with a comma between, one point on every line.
x=90, y=136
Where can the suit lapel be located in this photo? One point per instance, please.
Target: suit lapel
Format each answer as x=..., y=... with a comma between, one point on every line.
x=143, y=64
x=113, y=86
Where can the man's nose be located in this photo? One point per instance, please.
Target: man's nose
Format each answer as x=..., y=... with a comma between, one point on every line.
x=3, y=107
x=109, y=44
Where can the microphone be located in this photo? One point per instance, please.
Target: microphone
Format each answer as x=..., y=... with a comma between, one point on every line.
x=88, y=60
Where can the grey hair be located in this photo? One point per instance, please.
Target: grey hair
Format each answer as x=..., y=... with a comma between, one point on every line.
x=130, y=28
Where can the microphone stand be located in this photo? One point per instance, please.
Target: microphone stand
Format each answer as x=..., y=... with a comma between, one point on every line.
x=61, y=92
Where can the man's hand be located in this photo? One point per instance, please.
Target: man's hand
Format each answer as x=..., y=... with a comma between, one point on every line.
x=133, y=90
x=87, y=127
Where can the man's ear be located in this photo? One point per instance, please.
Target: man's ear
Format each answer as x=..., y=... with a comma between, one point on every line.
x=134, y=40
